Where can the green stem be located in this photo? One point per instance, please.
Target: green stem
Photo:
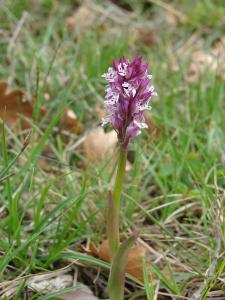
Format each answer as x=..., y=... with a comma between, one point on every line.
x=114, y=204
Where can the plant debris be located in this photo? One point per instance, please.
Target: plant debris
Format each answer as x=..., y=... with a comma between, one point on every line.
x=16, y=108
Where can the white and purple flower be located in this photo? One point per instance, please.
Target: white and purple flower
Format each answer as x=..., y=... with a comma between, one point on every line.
x=128, y=93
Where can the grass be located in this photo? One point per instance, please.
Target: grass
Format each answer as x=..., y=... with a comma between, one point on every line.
x=175, y=190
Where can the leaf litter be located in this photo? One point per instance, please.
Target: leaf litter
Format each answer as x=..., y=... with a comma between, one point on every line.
x=16, y=108
x=112, y=19
x=134, y=264
x=50, y=282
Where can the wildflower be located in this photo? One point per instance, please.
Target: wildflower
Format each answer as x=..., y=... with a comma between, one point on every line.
x=128, y=93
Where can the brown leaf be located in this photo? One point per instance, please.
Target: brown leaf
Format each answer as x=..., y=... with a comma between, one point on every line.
x=134, y=263
x=15, y=107
x=98, y=144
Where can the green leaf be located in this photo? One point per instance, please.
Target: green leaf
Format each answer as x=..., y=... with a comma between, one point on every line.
x=117, y=272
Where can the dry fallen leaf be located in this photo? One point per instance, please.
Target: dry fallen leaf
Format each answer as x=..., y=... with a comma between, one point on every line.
x=99, y=145
x=200, y=62
x=213, y=61
x=14, y=107
x=219, y=56
x=112, y=20
x=61, y=282
x=83, y=293
x=134, y=263
x=49, y=281
x=50, y=284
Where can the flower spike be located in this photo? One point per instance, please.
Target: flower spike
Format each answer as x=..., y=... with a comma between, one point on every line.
x=128, y=93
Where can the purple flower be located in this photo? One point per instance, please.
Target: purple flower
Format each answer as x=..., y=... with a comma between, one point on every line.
x=128, y=93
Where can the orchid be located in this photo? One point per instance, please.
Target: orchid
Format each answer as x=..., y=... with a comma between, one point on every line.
x=128, y=94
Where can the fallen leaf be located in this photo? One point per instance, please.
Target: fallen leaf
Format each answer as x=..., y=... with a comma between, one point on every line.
x=49, y=281
x=83, y=293
x=200, y=60
x=61, y=282
x=99, y=145
x=219, y=56
x=50, y=284
x=214, y=61
x=134, y=262
x=15, y=107
x=111, y=19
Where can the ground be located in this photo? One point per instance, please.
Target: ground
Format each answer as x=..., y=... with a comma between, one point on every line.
x=55, y=178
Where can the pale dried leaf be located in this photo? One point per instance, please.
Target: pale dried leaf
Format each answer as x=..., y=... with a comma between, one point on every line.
x=51, y=284
x=83, y=293
x=199, y=62
x=99, y=145
x=41, y=282
x=219, y=55
x=60, y=282
x=213, y=61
